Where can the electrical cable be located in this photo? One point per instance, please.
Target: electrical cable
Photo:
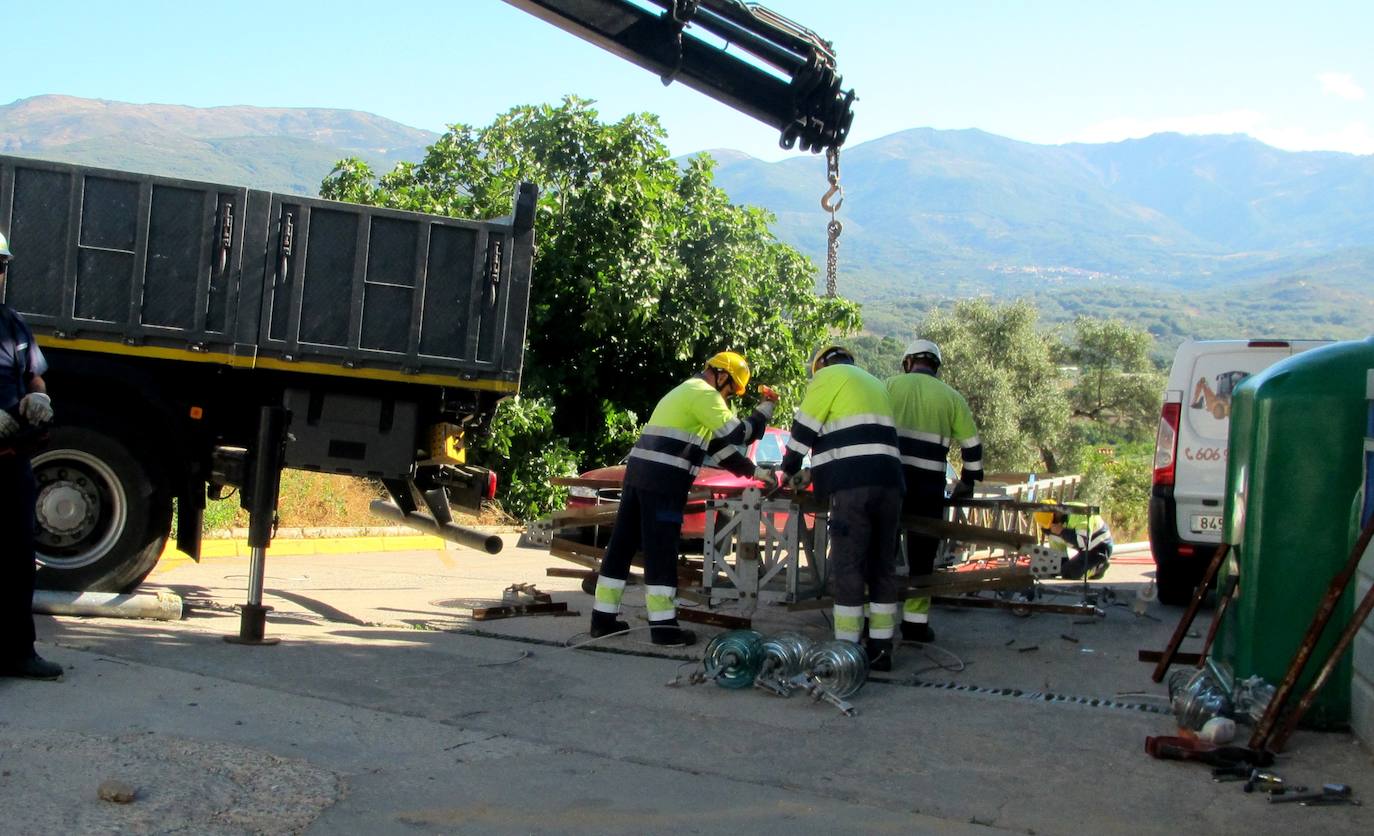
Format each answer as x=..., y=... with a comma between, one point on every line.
x=957, y=666
x=524, y=654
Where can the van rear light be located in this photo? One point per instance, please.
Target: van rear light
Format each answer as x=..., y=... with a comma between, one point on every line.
x=491, y=485
x=1166, y=444
x=1268, y=344
x=1185, y=550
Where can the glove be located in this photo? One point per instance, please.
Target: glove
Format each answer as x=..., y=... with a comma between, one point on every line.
x=36, y=407
x=8, y=426
x=962, y=490
x=799, y=480
x=768, y=394
x=767, y=475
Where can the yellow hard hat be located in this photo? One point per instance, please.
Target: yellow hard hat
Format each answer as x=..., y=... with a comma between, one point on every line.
x=1045, y=519
x=828, y=354
x=733, y=364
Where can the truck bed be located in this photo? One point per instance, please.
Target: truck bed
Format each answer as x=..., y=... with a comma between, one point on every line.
x=124, y=263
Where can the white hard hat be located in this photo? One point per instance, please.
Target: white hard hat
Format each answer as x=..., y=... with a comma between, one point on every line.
x=919, y=347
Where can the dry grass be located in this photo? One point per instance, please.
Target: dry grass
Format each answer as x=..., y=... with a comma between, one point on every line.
x=325, y=500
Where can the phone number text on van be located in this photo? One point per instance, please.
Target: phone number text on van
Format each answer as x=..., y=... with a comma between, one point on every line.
x=1204, y=454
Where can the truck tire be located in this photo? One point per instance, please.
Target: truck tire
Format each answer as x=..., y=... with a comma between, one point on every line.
x=1176, y=578
x=104, y=511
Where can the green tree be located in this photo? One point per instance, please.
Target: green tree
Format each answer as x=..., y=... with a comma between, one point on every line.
x=1003, y=366
x=1117, y=382
x=643, y=267
x=880, y=356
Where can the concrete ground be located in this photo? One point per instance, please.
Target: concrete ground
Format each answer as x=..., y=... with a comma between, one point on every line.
x=386, y=709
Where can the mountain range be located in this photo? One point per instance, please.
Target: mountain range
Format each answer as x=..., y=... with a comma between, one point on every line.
x=279, y=149
x=1186, y=235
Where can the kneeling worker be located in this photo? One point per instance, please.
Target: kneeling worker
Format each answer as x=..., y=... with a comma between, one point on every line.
x=845, y=423
x=688, y=426
x=1086, y=533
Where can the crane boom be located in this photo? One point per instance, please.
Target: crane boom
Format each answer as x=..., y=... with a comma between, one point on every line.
x=778, y=72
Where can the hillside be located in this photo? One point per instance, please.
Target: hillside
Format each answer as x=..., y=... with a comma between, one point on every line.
x=282, y=149
x=1187, y=235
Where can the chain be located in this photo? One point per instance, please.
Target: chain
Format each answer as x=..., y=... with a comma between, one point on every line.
x=834, y=228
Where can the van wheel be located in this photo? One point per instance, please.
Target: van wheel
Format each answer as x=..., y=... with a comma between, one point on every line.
x=103, y=511
x=1176, y=579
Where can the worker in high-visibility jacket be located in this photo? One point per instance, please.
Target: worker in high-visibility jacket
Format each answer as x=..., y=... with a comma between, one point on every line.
x=930, y=416
x=690, y=425
x=845, y=423
x=1086, y=533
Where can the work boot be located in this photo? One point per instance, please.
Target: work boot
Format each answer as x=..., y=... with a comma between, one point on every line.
x=34, y=667
x=879, y=654
x=913, y=632
x=1099, y=569
x=605, y=624
x=671, y=635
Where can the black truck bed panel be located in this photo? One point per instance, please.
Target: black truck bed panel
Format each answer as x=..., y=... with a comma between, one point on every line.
x=121, y=262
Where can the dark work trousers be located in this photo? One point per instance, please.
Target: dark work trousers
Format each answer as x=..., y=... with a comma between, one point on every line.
x=1085, y=562
x=17, y=494
x=863, y=527
x=923, y=500
x=648, y=522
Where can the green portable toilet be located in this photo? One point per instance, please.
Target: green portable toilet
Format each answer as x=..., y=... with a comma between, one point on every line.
x=1293, y=468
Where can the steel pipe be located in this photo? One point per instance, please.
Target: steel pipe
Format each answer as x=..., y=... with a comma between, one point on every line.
x=454, y=533
x=164, y=606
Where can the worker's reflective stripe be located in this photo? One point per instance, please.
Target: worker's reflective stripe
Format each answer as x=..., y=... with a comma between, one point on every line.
x=664, y=458
x=882, y=620
x=661, y=602
x=609, y=591
x=850, y=421
x=810, y=423
x=972, y=453
x=918, y=435
x=1099, y=536
x=849, y=622
x=916, y=610
x=805, y=431
x=924, y=464
x=728, y=427
x=853, y=451
x=674, y=432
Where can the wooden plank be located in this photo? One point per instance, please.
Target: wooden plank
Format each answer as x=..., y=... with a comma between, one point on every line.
x=715, y=619
x=1033, y=606
x=580, y=515
x=565, y=572
x=967, y=533
x=957, y=587
x=513, y=610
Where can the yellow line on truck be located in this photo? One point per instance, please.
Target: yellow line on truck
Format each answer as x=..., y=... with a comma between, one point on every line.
x=258, y=362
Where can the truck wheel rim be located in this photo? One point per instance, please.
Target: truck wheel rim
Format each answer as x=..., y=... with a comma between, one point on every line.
x=82, y=508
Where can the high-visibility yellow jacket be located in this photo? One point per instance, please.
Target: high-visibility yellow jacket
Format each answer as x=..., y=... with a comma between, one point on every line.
x=845, y=423
x=1084, y=532
x=930, y=416
x=690, y=425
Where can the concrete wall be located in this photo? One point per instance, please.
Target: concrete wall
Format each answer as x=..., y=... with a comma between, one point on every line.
x=1362, y=685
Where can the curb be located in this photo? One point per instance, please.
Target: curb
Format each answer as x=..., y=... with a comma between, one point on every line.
x=308, y=541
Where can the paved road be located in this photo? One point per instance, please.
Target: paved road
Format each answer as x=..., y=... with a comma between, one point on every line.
x=385, y=709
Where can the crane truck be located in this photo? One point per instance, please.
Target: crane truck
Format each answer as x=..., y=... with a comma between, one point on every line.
x=176, y=315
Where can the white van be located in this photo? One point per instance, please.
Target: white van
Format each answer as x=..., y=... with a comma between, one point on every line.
x=1190, y=454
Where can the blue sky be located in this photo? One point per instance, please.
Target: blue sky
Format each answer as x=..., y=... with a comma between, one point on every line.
x=1296, y=75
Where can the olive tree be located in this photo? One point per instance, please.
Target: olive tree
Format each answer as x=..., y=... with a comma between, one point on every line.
x=643, y=268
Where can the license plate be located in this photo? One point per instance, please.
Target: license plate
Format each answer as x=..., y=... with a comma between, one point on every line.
x=1206, y=523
